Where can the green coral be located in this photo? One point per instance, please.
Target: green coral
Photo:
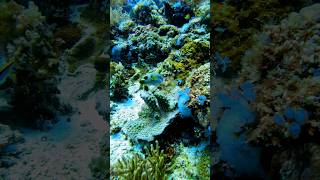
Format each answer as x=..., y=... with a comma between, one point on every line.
x=118, y=82
x=155, y=115
x=179, y=64
x=117, y=14
x=166, y=101
x=146, y=12
x=168, y=30
x=150, y=101
x=155, y=165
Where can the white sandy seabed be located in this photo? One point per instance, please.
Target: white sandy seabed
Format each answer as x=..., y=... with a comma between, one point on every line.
x=65, y=151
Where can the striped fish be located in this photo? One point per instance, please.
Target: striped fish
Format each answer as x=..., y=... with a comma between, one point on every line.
x=4, y=71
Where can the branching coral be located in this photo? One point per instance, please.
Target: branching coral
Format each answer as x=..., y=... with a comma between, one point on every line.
x=155, y=165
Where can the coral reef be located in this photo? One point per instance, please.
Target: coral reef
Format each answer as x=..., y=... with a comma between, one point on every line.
x=283, y=69
x=164, y=49
x=54, y=109
x=34, y=62
x=146, y=12
x=191, y=162
x=265, y=106
x=235, y=22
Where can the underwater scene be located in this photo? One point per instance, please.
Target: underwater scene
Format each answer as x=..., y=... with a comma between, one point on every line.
x=265, y=93
x=160, y=89
x=53, y=64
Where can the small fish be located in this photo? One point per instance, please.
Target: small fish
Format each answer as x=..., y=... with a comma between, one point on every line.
x=4, y=69
x=153, y=79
